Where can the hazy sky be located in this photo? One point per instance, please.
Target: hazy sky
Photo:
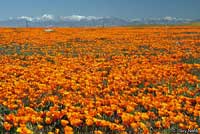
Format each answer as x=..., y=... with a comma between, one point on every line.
x=117, y=8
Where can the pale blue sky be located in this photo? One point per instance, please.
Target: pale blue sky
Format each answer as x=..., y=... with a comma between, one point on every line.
x=117, y=8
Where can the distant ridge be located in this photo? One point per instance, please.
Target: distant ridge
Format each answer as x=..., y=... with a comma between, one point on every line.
x=47, y=20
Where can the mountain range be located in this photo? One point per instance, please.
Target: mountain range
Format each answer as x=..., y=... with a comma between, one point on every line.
x=47, y=20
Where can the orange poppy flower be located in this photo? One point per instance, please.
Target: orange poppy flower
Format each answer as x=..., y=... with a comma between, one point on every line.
x=7, y=126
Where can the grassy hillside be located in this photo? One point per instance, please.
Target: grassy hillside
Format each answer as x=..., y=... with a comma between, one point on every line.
x=194, y=24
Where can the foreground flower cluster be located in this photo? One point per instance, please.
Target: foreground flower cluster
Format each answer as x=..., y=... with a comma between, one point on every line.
x=99, y=80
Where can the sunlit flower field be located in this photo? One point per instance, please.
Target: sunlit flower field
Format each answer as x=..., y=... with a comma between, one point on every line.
x=117, y=80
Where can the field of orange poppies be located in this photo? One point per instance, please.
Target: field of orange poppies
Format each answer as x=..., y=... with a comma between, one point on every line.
x=117, y=80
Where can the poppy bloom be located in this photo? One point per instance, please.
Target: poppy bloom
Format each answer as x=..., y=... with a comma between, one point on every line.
x=68, y=130
x=7, y=126
x=64, y=122
x=40, y=126
x=48, y=120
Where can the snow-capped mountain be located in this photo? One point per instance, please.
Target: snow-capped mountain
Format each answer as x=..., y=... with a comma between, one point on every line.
x=164, y=20
x=60, y=21
x=78, y=21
